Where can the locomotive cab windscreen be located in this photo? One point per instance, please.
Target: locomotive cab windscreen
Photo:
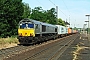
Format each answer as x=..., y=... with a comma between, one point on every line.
x=26, y=28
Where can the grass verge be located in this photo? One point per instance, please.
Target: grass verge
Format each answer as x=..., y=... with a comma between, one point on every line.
x=8, y=42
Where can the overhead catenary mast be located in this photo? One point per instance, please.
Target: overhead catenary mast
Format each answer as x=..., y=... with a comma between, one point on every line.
x=57, y=14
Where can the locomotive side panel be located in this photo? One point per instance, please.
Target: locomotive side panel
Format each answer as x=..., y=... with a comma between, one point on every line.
x=48, y=28
x=37, y=28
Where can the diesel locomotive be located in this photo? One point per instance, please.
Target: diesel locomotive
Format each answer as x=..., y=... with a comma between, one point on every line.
x=32, y=31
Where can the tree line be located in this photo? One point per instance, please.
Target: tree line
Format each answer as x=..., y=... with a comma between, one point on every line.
x=12, y=11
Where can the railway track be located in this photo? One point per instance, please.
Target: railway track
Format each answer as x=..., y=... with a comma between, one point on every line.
x=8, y=52
x=61, y=50
x=42, y=51
x=53, y=52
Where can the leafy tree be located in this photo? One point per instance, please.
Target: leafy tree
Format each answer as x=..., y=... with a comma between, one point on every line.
x=11, y=12
x=27, y=10
x=45, y=16
x=38, y=14
x=61, y=22
x=51, y=16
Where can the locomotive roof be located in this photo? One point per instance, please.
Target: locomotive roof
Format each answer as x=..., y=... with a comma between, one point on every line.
x=36, y=22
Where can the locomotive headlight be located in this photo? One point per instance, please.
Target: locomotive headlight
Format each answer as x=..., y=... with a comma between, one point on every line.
x=20, y=34
x=31, y=34
x=25, y=33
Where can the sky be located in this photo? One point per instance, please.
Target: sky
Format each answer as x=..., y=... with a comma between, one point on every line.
x=73, y=11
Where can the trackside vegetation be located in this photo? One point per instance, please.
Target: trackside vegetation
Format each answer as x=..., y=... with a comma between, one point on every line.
x=8, y=40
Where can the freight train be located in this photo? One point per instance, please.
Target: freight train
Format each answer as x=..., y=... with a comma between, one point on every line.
x=32, y=31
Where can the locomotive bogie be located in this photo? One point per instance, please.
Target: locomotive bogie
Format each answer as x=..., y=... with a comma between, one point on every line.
x=25, y=40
